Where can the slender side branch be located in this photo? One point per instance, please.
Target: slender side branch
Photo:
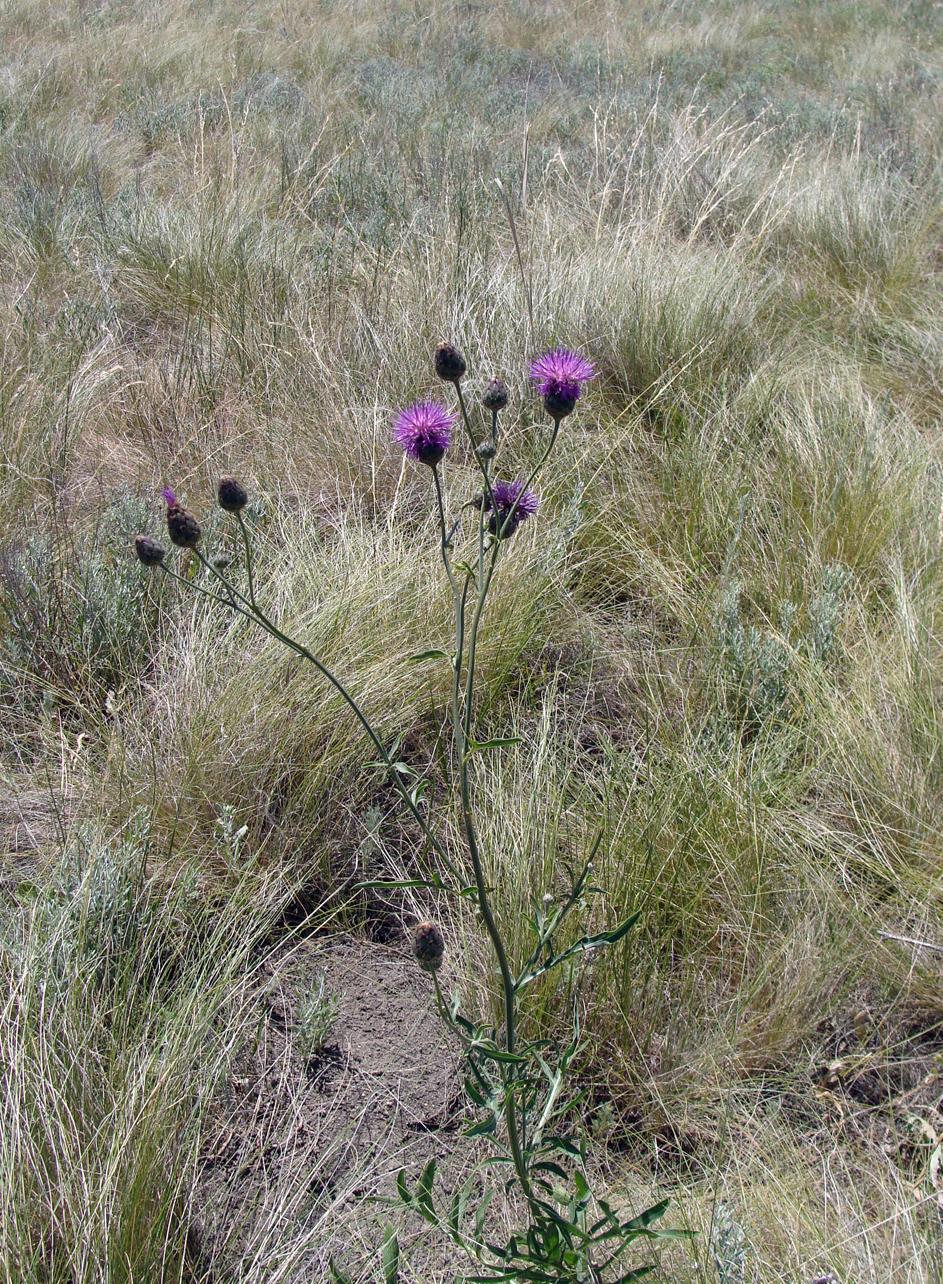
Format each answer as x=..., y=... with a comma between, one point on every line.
x=253, y=612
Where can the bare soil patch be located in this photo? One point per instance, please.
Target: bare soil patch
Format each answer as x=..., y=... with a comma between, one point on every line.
x=306, y=1136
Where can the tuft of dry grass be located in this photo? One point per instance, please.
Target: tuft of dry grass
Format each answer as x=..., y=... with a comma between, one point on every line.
x=229, y=239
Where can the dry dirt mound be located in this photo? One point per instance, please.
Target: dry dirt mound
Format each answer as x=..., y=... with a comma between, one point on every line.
x=304, y=1138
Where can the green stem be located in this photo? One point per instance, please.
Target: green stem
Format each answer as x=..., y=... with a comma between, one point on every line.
x=195, y=588
x=444, y=537
x=507, y=981
x=460, y=724
x=248, y=552
x=482, y=464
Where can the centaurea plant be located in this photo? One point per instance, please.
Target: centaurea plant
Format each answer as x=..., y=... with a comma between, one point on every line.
x=516, y=1085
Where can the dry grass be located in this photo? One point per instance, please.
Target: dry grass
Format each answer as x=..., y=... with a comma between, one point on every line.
x=229, y=237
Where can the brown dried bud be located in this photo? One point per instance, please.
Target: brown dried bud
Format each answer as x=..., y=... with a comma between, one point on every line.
x=449, y=362
x=428, y=947
x=232, y=495
x=182, y=526
x=149, y=552
x=495, y=396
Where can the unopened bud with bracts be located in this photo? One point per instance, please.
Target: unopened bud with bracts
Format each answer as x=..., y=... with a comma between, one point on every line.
x=428, y=947
x=495, y=396
x=149, y=552
x=232, y=495
x=561, y=401
x=182, y=526
x=449, y=362
x=487, y=450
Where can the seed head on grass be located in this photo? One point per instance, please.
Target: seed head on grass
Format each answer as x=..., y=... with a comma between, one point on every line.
x=428, y=946
x=449, y=363
x=232, y=495
x=149, y=552
x=424, y=430
x=559, y=375
x=507, y=498
x=182, y=526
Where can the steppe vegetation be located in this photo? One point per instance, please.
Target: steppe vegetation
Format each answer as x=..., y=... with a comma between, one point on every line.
x=231, y=236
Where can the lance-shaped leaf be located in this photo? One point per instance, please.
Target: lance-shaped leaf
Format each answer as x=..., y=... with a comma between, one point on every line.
x=434, y=654
x=585, y=943
x=390, y=1257
x=499, y=742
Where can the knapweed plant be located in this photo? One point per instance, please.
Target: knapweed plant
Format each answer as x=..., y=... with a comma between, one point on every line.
x=516, y=1084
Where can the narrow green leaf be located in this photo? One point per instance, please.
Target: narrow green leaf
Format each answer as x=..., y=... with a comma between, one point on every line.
x=481, y=1212
x=424, y=1188
x=390, y=1257
x=650, y=1215
x=564, y=1144
x=457, y=1211
x=483, y=1128
x=499, y=742
x=434, y=654
x=613, y=935
x=498, y=1054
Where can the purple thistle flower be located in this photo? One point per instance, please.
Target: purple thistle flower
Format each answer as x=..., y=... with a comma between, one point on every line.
x=424, y=431
x=512, y=504
x=559, y=375
x=169, y=495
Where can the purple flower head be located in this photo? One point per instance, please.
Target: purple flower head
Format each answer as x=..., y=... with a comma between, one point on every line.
x=512, y=504
x=559, y=375
x=424, y=431
x=169, y=495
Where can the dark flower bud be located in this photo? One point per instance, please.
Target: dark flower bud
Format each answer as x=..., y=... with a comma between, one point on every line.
x=495, y=396
x=428, y=947
x=487, y=450
x=449, y=362
x=232, y=495
x=182, y=526
x=561, y=401
x=149, y=552
x=503, y=526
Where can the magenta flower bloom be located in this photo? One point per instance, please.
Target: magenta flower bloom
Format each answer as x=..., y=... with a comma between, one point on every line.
x=559, y=375
x=511, y=505
x=424, y=431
